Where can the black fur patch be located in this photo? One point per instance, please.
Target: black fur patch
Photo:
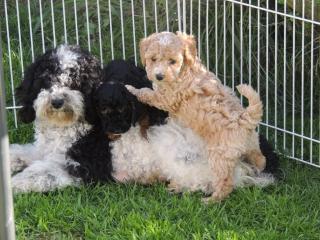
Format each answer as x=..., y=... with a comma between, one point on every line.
x=272, y=160
x=92, y=152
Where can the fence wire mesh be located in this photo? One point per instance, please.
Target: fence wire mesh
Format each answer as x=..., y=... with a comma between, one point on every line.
x=272, y=44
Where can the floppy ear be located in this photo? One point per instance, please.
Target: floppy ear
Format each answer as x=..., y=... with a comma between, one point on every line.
x=190, y=47
x=144, y=44
x=26, y=93
x=27, y=114
x=36, y=77
x=90, y=110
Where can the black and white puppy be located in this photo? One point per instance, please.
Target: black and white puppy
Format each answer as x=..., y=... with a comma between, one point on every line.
x=53, y=95
x=159, y=152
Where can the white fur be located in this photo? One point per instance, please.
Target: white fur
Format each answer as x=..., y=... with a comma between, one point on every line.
x=73, y=102
x=44, y=161
x=173, y=153
x=67, y=58
x=165, y=40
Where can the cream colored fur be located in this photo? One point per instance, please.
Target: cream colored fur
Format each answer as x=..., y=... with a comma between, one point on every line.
x=195, y=97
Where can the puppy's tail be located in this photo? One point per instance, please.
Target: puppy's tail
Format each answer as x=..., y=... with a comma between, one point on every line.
x=253, y=113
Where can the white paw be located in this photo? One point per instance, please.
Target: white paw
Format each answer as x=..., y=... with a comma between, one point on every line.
x=132, y=89
x=33, y=181
x=18, y=157
x=121, y=176
x=17, y=163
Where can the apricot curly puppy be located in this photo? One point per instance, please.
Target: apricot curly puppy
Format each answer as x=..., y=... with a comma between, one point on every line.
x=194, y=96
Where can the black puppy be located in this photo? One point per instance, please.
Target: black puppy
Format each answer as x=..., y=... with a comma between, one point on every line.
x=117, y=108
x=114, y=111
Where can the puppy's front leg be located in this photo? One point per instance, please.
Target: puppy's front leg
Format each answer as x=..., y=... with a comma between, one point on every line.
x=43, y=176
x=21, y=156
x=147, y=95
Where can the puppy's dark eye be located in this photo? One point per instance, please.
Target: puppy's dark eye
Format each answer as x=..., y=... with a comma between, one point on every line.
x=153, y=59
x=172, y=62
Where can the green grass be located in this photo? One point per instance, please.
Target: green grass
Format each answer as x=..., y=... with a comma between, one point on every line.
x=287, y=210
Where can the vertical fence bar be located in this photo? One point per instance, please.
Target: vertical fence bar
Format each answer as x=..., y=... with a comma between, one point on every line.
x=250, y=43
x=53, y=25
x=207, y=32
x=167, y=15
x=179, y=15
x=216, y=34
x=88, y=26
x=41, y=25
x=258, y=51
x=241, y=47
x=293, y=75
x=191, y=15
x=122, y=32
x=144, y=17
x=99, y=30
x=134, y=33
x=30, y=31
x=232, y=44
x=184, y=14
x=10, y=64
x=224, y=44
x=276, y=75
x=76, y=20
x=267, y=69
x=7, y=229
x=284, y=74
x=311, y=83
x=19, y=36
x=155, y=15
x=64, y=22
x=111, y=32
x=302, y=77
x=199, y=28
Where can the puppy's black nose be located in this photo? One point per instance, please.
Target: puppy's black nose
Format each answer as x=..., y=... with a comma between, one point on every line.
x=159, y=76
x=57, y=103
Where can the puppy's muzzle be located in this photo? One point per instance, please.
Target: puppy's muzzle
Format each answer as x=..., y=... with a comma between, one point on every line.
x=159, y=76
x=57, y=103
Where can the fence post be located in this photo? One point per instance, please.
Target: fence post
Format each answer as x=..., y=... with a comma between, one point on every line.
x=7, y=229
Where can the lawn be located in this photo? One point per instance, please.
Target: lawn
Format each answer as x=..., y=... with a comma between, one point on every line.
x=287, y=210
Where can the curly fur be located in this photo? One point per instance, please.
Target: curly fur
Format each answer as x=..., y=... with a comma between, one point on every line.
x=54, y=95
x=115, y=111
x=195, y=97
x=145, y=158
x=185, y=166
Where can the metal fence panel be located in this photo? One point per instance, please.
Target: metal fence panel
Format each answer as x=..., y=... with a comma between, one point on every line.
x=273, y=45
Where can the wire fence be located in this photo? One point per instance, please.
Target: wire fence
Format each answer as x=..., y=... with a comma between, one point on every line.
x=273, y=45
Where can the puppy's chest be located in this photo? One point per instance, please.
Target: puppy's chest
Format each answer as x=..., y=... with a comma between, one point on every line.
x=58, y=140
